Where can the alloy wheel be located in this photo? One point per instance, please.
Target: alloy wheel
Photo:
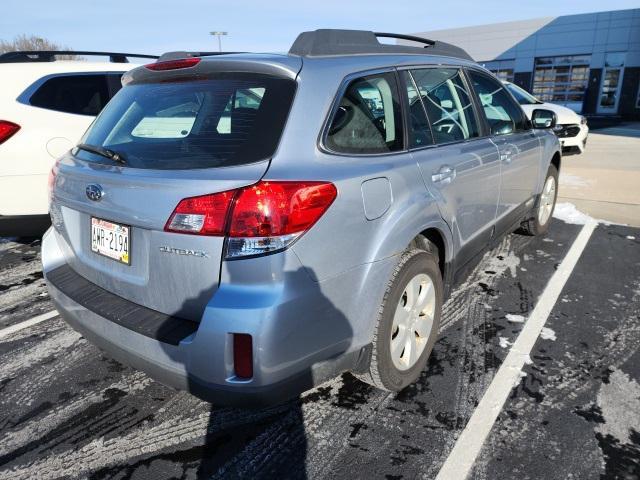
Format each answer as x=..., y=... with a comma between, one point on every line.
x=547, y=199
x=413, y=321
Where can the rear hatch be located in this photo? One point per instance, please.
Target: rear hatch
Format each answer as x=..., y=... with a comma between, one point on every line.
x=175, y=138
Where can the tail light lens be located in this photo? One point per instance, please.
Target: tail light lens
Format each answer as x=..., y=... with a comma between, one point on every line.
x=7, y=130
x=262, y=218
x=51, y=180
x=205, y=215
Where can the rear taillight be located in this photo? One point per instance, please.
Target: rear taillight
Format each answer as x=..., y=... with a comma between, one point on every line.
x=262, y=218
x=174, y=64
x=52, y=180
x=205, y=215
x=7, y=130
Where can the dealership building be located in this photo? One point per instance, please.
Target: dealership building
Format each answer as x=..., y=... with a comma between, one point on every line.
x=588, y=62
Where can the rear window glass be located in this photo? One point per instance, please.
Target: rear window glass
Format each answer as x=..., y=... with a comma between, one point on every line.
x=231, y=119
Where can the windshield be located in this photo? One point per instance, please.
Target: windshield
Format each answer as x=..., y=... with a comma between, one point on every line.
x=522, y=96
x=231, y=119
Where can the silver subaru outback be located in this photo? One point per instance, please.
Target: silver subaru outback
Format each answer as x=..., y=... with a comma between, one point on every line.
x=246, y=226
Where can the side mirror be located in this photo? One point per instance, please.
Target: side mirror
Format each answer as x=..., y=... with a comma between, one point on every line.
x=541, y=118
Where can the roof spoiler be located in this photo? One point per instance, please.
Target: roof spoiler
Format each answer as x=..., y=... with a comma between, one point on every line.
x=183, y=54
x=332, y=42
x=27, y=56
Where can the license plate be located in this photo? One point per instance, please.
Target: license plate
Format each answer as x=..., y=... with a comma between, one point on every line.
x=111, y=240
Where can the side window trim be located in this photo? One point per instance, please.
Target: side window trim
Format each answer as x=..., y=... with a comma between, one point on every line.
x=424, y=110
x=477, y=106
x=404, y=111
x=344, y=84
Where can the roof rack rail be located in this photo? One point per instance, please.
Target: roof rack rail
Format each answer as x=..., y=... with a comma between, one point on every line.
x=182, y=54
x=26, y=56
x=332, y=42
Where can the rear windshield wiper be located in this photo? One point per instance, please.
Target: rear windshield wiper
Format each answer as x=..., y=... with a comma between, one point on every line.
x=104, y=152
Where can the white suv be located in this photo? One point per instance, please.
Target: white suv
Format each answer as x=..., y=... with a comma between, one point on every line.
x=45, y=107
x=571, y=129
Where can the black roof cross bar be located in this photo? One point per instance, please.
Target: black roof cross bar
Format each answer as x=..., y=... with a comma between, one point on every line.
x=26, y=56
x=333, y=42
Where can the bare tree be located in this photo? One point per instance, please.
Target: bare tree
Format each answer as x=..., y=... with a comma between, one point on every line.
x=33, y=42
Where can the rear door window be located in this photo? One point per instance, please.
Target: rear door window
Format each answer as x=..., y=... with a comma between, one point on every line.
x=368, y=119
x=230, y=119
x=447, y=103
x=83, y=94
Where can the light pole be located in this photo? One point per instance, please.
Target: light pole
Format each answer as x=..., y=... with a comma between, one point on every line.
x=219, y=35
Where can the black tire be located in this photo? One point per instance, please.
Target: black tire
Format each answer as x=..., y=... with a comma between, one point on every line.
x=382, y=373
x=532, y=225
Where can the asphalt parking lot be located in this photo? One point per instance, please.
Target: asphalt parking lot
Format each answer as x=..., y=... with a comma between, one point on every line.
x=68, y=411
x=571, y=407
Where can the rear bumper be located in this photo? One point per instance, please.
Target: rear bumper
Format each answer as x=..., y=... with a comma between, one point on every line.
x=294, y=348
x=167, y=364
x=23, y=225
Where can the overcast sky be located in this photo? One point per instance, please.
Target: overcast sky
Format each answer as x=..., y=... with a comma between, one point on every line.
x=156, y=26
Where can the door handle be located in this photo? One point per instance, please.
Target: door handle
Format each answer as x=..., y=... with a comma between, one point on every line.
x=506, y=156
x=445, y=175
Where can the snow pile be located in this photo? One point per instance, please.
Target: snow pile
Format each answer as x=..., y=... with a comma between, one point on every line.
x=568, y=213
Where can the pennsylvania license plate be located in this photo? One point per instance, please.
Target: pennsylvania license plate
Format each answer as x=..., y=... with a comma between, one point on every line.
x=111, y=240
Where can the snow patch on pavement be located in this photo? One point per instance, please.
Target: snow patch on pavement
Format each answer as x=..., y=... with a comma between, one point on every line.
x=515, y=318
x=547, y=334
x=501, y=263
x=619, y=401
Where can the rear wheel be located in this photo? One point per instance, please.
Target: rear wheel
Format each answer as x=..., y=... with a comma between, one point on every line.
x=408, y=322
x=538, y=224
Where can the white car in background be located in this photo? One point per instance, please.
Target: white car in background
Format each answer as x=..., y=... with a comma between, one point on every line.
x=45, y=107
x=572, y=129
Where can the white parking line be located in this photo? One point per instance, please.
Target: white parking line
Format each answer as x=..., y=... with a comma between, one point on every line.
x=27, y=323
x=464, y=453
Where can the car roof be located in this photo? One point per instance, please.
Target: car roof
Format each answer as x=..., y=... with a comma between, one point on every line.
x=288, y=65
x=342, y=51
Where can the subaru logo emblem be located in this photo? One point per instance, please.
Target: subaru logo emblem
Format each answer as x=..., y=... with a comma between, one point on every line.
x=94, y=192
